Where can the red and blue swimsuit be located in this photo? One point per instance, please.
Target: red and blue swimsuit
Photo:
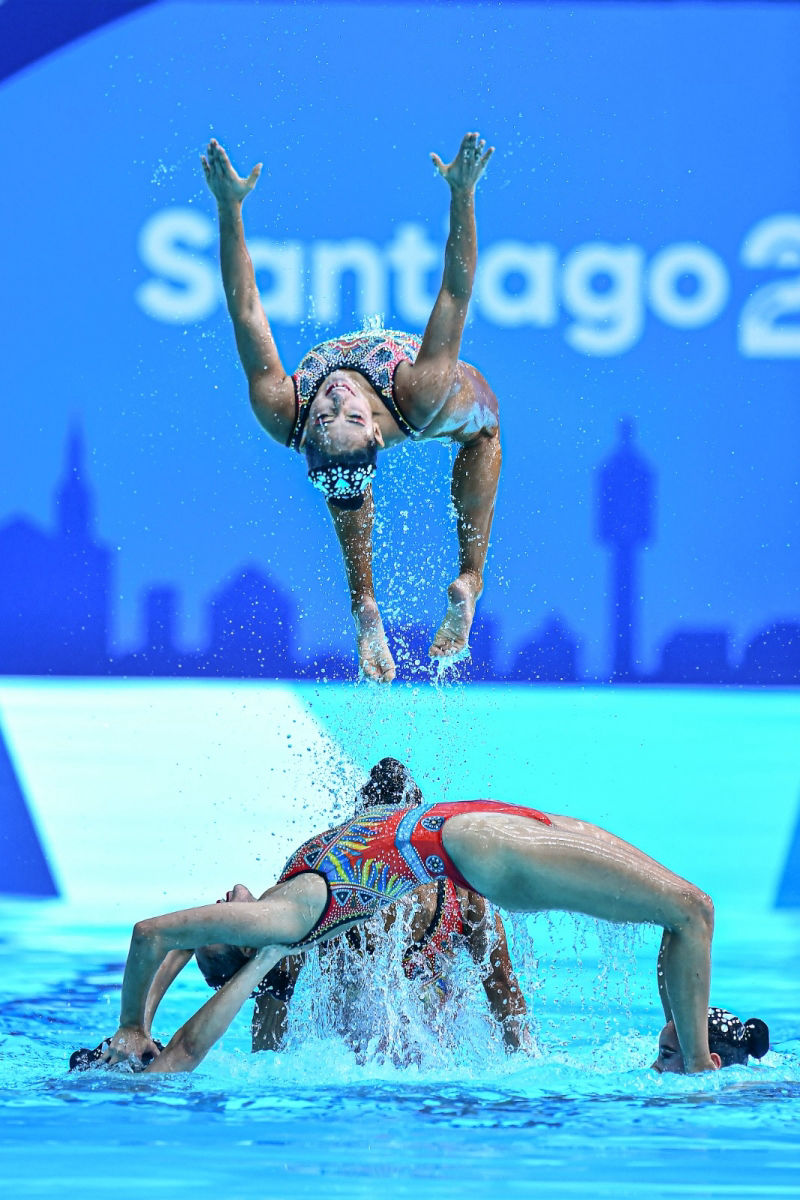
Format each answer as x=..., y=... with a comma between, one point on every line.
x=382, y=854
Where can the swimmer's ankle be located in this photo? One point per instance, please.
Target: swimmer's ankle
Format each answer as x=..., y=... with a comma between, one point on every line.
x=470, y=580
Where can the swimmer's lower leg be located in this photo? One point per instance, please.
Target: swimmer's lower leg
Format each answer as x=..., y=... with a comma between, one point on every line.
x=354, y=531
x=476, y=471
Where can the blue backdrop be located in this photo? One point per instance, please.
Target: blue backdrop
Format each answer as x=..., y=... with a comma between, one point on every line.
x=640, y=258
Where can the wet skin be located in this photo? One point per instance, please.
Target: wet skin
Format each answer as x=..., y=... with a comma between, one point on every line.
x=669, y=1060
x=438, y=394
x=513, y=861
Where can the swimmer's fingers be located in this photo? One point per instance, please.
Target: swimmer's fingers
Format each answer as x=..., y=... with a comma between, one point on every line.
x=129, y=1044
x=252, y=178
x=468, y=165
x=221, y=177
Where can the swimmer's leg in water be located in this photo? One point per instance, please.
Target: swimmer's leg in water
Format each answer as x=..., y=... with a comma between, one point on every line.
x=476, y=471
x=354, y=530
x=572, y=866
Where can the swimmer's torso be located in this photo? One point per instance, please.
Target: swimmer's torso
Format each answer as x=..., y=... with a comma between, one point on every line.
x=382, y=854
x=383, y=358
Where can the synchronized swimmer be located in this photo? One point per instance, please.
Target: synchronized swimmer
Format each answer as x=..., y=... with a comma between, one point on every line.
x=516, y=857
x=428, y=928
x=354, y=395
x=350, y=397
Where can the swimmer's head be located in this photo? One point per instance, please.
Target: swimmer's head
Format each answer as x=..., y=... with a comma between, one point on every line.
x=219, y=962
x=86, y=1059
x=390, y=782
x=730, y=1041
x=341, y=439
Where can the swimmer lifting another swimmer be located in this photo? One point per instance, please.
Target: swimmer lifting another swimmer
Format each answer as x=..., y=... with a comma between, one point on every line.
x=355, y=395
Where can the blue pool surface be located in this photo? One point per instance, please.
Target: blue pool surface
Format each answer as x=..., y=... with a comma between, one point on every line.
x=581, y=1114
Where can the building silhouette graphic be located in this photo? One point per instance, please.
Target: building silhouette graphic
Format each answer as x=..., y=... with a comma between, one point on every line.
x=54, y=602
x=251, y=628
x=550, y=656
x=696, y=656
x=625, y=503
x=56, y=618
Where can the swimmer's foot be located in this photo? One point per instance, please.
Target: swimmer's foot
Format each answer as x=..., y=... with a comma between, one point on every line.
x=452, y=638
x=375, y=660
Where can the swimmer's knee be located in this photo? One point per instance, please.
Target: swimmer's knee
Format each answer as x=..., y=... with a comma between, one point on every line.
x=697, y=913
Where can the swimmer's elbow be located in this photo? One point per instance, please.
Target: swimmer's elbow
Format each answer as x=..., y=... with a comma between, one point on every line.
x=147, y=932
x=182, y=1054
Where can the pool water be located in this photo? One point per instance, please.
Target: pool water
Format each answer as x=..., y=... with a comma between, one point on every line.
x=581, y=1112
x=455, y=1116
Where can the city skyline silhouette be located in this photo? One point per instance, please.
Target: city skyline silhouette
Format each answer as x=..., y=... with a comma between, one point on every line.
x=56, y=609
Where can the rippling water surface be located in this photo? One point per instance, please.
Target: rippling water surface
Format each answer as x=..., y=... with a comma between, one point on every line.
x=452, y=1116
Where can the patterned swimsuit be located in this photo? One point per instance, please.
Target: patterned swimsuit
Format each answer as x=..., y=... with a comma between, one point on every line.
x=382, y=854
x=375, y=355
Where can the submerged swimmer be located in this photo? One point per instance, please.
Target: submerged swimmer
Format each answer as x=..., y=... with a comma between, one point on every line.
x=517, y=858
x=731, y=1042
x=352, y=396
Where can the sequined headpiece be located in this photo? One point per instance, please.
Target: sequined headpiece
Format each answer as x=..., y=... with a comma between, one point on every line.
x=343, y=486
x=342, y=479
x=751, y=1038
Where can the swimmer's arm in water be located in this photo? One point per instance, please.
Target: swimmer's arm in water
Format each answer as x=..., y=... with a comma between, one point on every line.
x=423, y=388
x=486, y=938
x=271, y=1009
x=165, y=976
x=271, y=389
x=662, y=984
x=192, y=1042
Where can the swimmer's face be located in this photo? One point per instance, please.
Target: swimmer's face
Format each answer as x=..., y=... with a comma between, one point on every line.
x=670, y=1058
x=340, y=418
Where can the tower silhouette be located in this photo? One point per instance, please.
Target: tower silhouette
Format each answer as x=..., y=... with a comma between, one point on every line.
x=54, y=605
x=625, y=506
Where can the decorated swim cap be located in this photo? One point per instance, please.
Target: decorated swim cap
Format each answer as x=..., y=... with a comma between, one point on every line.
x=84, y=1059
x=725, y=1031
x=342, y=486
x=343, y=479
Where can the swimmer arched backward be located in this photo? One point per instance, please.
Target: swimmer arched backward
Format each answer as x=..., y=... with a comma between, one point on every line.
x=355, y=395
x=520, y=859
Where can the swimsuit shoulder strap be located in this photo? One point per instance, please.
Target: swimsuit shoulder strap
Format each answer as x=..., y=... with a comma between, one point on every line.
x=375, y=355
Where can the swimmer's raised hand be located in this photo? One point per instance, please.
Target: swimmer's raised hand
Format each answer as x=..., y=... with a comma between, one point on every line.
x=130, y=1044
x=225, y=184
x=468, y=165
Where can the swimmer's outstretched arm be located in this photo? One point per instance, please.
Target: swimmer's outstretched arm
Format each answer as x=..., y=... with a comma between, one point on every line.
x=423, y=387
x=165, y=976
x=271, y=389
x=271, y=1010
x=486, y=939
x=285, y=914
x=192, y=1042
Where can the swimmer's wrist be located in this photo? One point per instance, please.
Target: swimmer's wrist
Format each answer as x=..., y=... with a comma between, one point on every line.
x=231, y=207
